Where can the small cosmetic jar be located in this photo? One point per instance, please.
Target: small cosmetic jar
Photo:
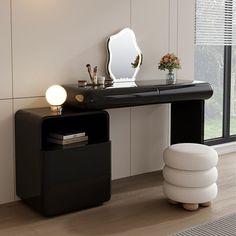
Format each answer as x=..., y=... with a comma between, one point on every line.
x=101, y=80
x=82, y=83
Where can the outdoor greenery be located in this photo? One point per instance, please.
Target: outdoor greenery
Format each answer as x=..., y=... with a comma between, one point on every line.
x=233, y=126
x=213, y=128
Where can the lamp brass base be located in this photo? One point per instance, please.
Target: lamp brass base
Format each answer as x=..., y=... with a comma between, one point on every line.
x=56, y=109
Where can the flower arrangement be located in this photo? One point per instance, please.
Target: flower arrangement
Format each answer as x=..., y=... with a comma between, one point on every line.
x=137, y=61
x=169, y=62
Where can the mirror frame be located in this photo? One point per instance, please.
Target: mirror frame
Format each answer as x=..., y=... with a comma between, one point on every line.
x=109, y=58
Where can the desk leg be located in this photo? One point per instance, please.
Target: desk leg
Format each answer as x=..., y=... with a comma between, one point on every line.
x=187, y=121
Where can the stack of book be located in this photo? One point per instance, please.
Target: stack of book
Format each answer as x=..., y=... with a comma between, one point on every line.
x=64, y=138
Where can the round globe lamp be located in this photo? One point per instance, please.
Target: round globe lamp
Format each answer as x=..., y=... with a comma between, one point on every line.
x=56, y=96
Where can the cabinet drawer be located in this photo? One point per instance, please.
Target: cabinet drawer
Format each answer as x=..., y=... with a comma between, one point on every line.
x=78, y=163
x=76, y=178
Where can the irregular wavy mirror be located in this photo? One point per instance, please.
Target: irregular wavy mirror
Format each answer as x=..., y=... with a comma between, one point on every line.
x=124, y=56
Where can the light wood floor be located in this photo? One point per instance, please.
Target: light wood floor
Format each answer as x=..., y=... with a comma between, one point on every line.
x=137, y=207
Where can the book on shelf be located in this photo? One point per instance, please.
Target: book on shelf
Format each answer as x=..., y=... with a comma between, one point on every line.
x=82, y=139
x=71, y=145
x=66, y=135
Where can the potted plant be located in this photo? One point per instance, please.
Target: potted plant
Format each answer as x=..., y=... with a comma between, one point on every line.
x=169, y=62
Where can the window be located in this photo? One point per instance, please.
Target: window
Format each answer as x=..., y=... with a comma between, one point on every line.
x=215, y=62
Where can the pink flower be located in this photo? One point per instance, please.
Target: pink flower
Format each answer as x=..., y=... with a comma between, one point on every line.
x=172, y=56
x=166, y=59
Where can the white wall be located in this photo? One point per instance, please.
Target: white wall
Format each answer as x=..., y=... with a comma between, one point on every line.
x=48, y=42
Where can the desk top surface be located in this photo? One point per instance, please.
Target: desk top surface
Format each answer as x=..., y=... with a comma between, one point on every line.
x=137, y=84
x=135, y=93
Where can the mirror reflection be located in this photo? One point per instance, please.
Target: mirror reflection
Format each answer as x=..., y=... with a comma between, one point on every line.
x=124, y=56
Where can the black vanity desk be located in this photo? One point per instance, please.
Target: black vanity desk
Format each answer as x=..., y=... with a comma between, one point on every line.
x=186, y=99
x=55, y=179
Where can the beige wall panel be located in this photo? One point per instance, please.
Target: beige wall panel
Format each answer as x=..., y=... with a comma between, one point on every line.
x=186, y=12
x=54, y=40
x=25, y=103
x=120, y=137
x=5, y=50
x=149, y=137
x=7, y=173
x=173, y=31
x=150, y=22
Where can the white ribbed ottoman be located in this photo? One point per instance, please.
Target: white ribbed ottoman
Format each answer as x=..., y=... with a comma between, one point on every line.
x=190, y=174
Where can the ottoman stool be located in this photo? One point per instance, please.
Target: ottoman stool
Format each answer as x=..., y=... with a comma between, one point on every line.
x=190, y=174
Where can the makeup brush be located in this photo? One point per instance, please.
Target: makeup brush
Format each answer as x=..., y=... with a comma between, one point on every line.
x=95, y=70
x=90, y=72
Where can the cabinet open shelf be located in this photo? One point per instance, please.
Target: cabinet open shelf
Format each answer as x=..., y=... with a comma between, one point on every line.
x=95, y=125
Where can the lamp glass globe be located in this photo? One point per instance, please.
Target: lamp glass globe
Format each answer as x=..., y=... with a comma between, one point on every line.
x=56, y=95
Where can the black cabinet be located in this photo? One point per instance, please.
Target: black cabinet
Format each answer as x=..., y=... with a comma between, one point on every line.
x=54, y=178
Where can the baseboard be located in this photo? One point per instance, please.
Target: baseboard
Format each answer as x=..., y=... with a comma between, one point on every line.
x=225, y=148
